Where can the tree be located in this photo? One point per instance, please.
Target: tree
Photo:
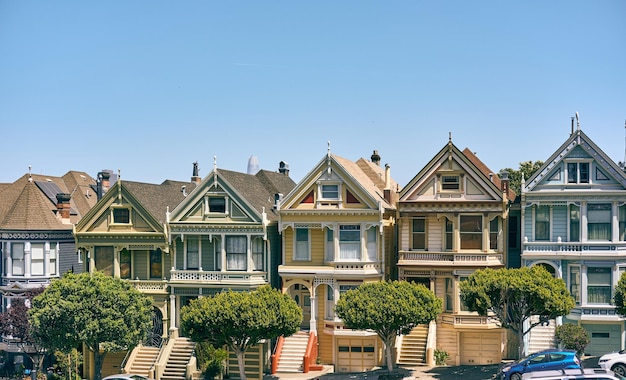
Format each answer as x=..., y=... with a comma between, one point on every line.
x=620, y=296
x=14, y=325
x=572, y=337
x=512, y=296
x=389, y=308
x=103, y=313
x=526, y=170
x=240, y=320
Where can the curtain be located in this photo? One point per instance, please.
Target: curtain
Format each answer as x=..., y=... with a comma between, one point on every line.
x=236, y=253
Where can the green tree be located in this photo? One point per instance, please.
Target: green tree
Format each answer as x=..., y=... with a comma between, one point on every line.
x=526, y=170
x=512, y=296
x=572, y=337
x=389, y=308
x=240, y=320
x=103, y=313
x=620, y=296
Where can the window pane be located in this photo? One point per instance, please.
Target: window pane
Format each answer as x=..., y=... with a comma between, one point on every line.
x=217, y=205
x=493, y=234
x=257, y=253
x=125, y=271
x=17, y=258
x=599, y=285
x=450, y=182
x=574, y=223
x=449, y=235
x=193, y=252
x=599, y=221
x=350, y=242
x=302, y=244
x=236, y=247
x=330, y=191
x=584, y=172
x=542, y=223
x=471, y=231
x=156, y=263
x=574, y=283
x=53, y=259
x=419, y=233
x=36, y=259
x=121, y=215
x=104, y=260
x=572, y=173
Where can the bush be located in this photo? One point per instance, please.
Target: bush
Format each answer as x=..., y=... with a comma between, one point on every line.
x=441, y=357
x=572, y=337
x=210, y=360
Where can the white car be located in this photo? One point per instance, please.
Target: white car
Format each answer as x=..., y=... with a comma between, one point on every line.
x=615, y=361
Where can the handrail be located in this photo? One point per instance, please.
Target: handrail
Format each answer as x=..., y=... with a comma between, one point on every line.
x=310, y=355
x=277, y=351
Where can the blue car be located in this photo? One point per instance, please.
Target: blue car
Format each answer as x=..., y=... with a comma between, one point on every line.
x=540, y=361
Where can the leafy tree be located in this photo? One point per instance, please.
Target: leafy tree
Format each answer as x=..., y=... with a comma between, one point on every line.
x=526, y=170
x=389, y=308
x=240, y=320
x=620, y=296
x=572, y=337
x=512, y=296
x=14, y=324
x=104, y=313
x=210, y=359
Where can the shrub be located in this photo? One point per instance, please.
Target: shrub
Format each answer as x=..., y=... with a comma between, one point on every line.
x=572, y=337
x=441, y=357
x=210, y=360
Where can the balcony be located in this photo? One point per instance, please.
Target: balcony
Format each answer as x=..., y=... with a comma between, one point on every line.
x=573, y=250
x=468, y=321
x=200, y=277
x=150, y=286
x=595, y=313
x=423, y=258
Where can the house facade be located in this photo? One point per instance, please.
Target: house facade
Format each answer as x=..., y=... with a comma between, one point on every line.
x=337, y=228
x=452, y=221
x=573, y=212
x=37, y=214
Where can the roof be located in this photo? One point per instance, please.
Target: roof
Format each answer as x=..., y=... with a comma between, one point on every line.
x=367, y=176
x=488, y=173
x=158, y=198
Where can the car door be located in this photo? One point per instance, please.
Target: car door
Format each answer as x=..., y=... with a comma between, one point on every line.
x=556, y=361
x=539, y=362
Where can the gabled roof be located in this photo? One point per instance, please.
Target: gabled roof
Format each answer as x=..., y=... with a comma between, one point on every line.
x=469, y=163
x=25, y=205
x=363, y=175
x=576, y=139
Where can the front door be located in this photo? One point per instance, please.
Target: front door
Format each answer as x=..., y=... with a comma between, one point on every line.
x=301, y=295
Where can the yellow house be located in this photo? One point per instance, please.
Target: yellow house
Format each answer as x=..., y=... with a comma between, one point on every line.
x=453, y=221
x=337, y=228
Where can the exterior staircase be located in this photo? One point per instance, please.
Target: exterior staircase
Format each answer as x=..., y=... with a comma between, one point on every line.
x=292, y=355
x=176, y=367
x=144, y=358
x=413, y=347
x=541, y=337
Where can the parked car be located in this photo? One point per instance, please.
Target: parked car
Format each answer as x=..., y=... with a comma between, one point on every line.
x=615, y=361
x=126, y=376
x=573, y=374
x=540, y=361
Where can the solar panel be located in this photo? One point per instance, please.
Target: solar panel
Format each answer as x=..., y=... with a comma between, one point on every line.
x=51, y=190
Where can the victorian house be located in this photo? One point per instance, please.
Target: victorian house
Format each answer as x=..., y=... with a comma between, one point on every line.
x=337, y=228
x=224, y=236
x=37, y=215
x=452, y=221
x=573, y=212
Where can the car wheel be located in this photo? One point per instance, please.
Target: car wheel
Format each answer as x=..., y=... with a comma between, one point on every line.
x=619, y=369
x=516, y=376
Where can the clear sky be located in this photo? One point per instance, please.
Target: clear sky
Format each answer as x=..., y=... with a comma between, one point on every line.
x=149, y=87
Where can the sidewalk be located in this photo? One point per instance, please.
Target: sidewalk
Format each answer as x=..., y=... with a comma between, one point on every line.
x=328, y=374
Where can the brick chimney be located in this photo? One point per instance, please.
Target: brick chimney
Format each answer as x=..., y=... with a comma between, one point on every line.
x=283, y=168
x=504, y=182
x=63, y=207
x=387, y=189
x=195, y=177
x=376, y=158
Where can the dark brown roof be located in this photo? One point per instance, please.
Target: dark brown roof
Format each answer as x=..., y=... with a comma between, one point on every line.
x=487, y=172
x=156, y=199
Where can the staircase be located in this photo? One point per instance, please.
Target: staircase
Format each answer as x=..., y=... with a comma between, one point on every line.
x=143, y=359
x=176, y=367
x=294, y=348
x=413, y=348
x=541, y=337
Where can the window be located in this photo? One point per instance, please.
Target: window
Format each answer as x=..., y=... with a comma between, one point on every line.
x=330, y=192
x=542, y=223
x=217, y=205
x=350, y=242
x=471, y=231
x=493, y=234
x=53, y=259
x=622, y=223
x=418, y=235
x=574, y=283
x=462, y=305
x=236, y=248
x=345, y=288
x=302, y=244
x=599, y=221
x=121, y=215
x=193, y=252
x=449, y=300
x=578, y=172
x=371, y=243
x=125, y=268
x=449, y=235
x=450, y=182
x=17, y=259
x=574, y=222
x=257, y=253
x=330, y=245
x=156, y=263
x=37, y=259
x=104, y=260
x=599, y=285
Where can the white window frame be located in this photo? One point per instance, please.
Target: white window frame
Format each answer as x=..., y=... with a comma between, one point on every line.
x=346, y=231
x=301, y=248
x=578, y=172
x=118, y=208
x=18, y=263
x=38, y=259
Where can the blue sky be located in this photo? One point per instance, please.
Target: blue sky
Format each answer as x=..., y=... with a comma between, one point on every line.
x=149, y=87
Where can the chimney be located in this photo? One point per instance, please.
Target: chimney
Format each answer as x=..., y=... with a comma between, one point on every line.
x=195, y=177
x=504, y=182
x=375, y=158
x=63, y=207
x=283, y=168
x=387, y=189
x=106, y=183
x=278, y=197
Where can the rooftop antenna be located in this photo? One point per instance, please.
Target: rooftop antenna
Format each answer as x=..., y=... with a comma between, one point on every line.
x=624, y=144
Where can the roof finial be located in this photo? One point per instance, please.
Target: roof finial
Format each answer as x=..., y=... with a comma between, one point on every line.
x=328, y=148
x=30, y=176
x=449, y=136
x=577, y=121
x=214, y=162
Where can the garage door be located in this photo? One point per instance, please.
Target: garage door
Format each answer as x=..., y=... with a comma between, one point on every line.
x=481, y=348
x=604, y=338
x=356, y=354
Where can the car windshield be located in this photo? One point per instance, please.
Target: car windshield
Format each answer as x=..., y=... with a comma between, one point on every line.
x=138, y=377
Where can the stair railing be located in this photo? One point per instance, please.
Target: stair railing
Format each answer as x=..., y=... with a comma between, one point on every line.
x=277, y=352
x=161, y=362
x=309, y=361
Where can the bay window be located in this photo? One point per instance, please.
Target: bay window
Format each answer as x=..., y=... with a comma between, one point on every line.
x=330, y=245
x=193, y=252
x=574, y=222
x=471, y=231
x=449, y=234
x=256, y=247
x=17, y=259
x=350, y=242
x=418, y=235
x=302, y=251
x=599, y=221
x=542, y=222
x=125, y=265
x=599, y=285
x=236, y=248
x=574, y=283
x=37, y=259
x=493, y=234
x=622, y=223
x=156, y=263
x=104, y=260
x=53, y=259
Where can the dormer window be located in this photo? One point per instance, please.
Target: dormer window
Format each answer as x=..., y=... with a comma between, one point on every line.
x=217, y=205
x=121, y=215
x=330, y=192
x=577, y=172
x=450, y=182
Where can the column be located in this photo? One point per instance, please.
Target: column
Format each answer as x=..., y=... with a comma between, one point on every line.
x=313, y=320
